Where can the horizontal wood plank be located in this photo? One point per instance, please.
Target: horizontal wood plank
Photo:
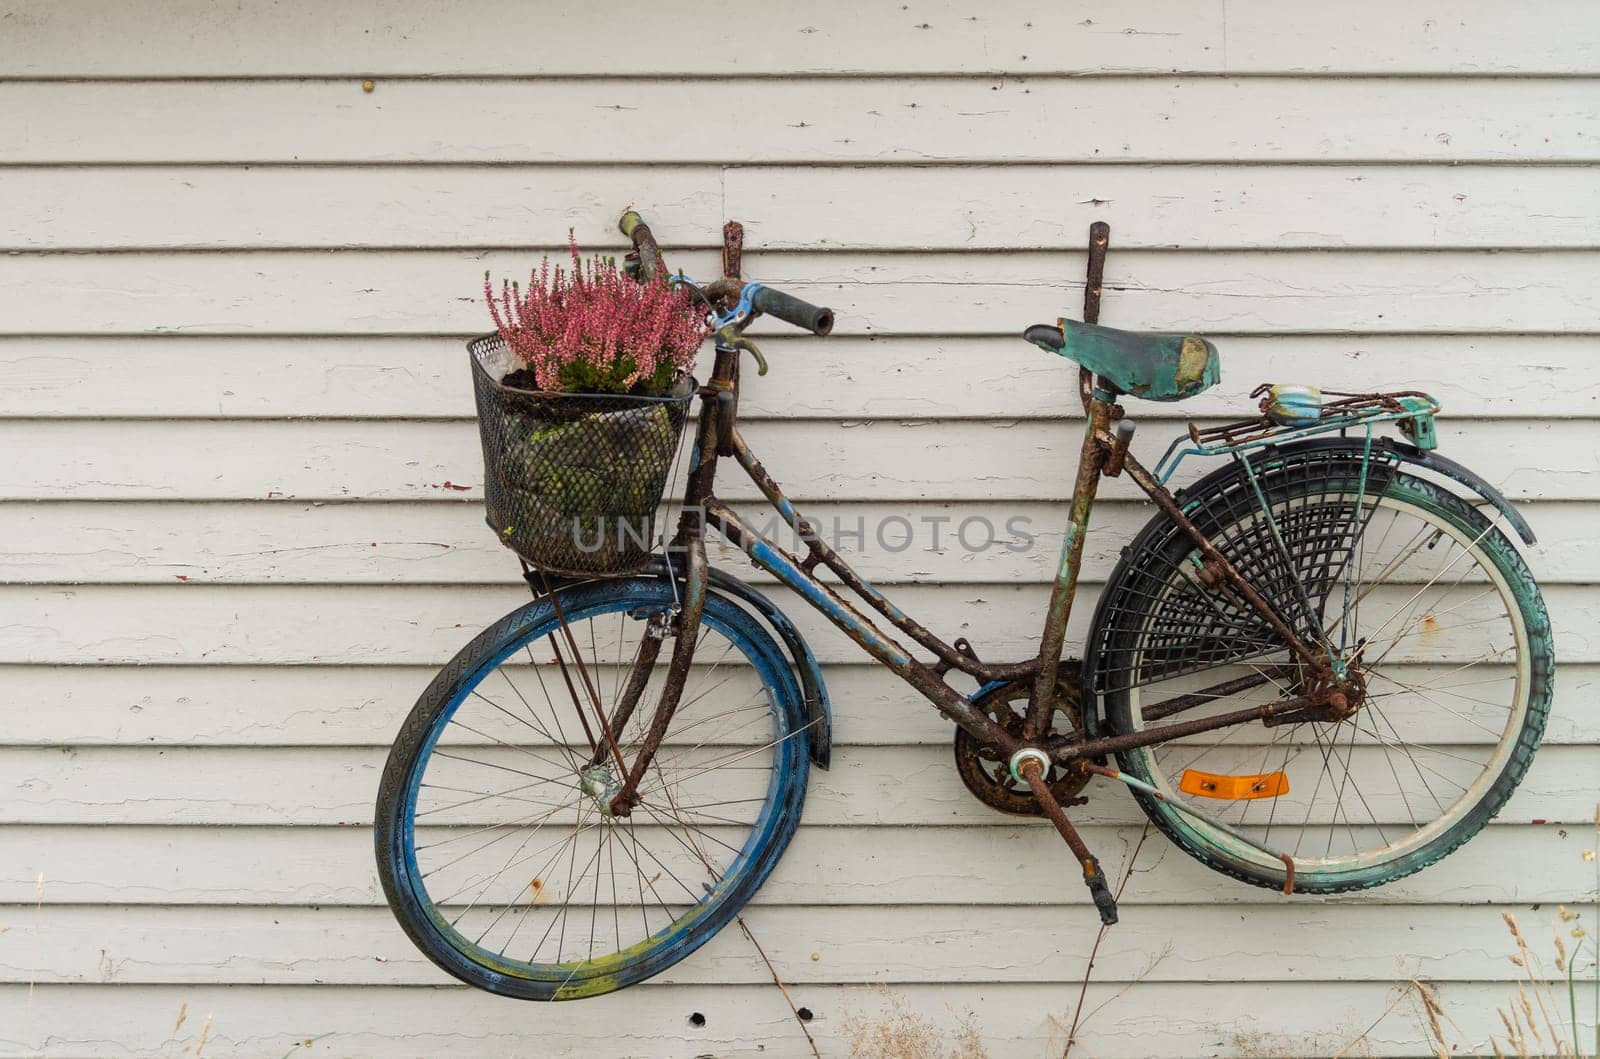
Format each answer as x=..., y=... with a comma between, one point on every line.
x=936, y=36
x=1212, y=207
x=152, y=543
x=998, y=861
x=808, y=944
x=877, y=786
x=800, y=208
x=853, y=460
x=157, y=705
x=738, y=1022
x=971, y=119
x=418, y=625
x=969, y=542
x=219, y=207
x=440, y=292
x=372, y=377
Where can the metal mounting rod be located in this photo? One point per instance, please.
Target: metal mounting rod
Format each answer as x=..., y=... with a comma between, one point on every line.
x=1099, y=239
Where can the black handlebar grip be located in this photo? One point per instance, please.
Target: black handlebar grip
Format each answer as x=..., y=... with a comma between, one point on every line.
x=792, y=310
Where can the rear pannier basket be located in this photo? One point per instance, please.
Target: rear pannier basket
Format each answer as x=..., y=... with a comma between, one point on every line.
x=572, y=481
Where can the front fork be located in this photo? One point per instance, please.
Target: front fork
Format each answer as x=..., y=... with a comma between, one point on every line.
x=687, y=635
x=716, y=408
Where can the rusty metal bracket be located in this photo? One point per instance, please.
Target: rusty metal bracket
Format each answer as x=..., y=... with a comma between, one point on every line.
x=733, y=249
x=1099, y=240
x=1122, y=436
x=1094, y=281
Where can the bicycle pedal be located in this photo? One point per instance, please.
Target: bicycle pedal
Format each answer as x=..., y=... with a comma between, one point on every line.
x=1104, y=901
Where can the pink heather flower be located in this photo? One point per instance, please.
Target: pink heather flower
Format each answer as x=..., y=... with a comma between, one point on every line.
x=596, y=315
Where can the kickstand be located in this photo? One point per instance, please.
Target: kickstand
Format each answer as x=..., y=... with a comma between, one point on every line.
x=1093, y=877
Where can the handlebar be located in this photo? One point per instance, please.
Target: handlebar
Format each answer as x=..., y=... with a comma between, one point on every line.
x=650, y=262
x=786, y=307
x=792, y=310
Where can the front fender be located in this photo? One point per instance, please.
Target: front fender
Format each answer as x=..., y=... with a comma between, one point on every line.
x=819, y=711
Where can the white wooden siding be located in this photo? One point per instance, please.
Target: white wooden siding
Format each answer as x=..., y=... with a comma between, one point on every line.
x=234, y=415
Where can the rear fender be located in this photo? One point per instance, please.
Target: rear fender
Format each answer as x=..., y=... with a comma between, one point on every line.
x=1474, y=482
x=1428, y=461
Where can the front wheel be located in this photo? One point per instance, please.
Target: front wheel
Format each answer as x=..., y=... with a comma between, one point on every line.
x=496, y=844
x=1417, y=597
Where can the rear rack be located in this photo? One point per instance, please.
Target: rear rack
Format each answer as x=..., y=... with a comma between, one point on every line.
x=1412, y=412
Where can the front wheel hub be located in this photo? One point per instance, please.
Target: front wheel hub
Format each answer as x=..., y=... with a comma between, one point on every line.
x=600, y=784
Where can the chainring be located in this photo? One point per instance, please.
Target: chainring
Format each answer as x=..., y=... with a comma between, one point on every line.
x=987, y=773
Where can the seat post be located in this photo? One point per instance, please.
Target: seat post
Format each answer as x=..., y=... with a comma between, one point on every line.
x=1091, y=460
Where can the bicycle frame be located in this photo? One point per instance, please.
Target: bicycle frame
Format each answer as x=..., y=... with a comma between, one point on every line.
x=717, y=436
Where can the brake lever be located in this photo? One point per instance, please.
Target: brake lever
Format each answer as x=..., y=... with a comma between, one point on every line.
x=730, y=325
x=728, y=337
x=744, y=312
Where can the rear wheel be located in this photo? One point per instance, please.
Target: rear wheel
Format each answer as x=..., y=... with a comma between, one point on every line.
x=1415, y=594
x=496, y=845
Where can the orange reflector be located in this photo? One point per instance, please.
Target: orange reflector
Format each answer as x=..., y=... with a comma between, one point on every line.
x=1233, y=788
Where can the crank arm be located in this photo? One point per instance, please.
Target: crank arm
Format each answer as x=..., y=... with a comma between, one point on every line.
x=1029, y=765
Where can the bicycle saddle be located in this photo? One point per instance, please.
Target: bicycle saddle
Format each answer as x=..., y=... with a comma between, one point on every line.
x=1148, y=364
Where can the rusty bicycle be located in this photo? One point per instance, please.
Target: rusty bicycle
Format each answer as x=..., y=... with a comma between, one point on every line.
x=1320, y=667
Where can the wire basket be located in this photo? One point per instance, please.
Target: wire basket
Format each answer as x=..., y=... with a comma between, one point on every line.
x=572, y=481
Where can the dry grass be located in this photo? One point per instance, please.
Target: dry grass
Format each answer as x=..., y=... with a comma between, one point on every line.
x=1541, y=1019
x=195, y=1048
x=895, y=1031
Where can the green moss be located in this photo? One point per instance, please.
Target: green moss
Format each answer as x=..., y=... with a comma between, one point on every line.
x=587, y=488
x=581, y=377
